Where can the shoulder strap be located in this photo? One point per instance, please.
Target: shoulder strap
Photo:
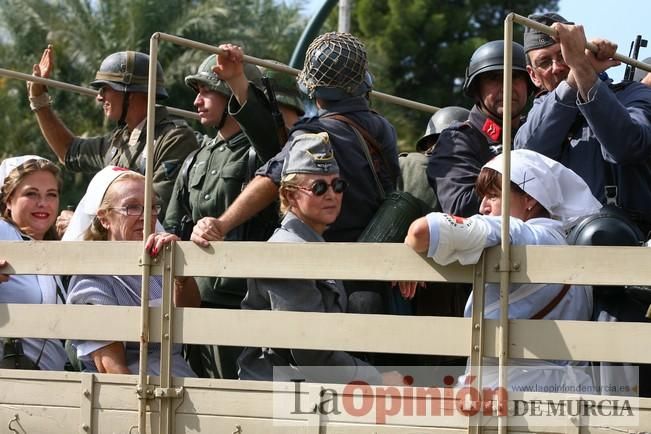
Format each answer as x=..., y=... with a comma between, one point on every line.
x=553, y=303
x=184, y=174
x=372, y=142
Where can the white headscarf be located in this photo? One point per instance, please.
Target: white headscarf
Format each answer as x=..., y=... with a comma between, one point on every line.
x=558, y=189
x=9, y=164
x=87, y=208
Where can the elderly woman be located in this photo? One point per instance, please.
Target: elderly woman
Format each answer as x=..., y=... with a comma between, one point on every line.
x=29, y=203
x=112, y=210
x=545, y=198
x=310, y=193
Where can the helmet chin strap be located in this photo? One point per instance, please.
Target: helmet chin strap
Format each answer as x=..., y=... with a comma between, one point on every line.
x=222, y=121
x=125, y=109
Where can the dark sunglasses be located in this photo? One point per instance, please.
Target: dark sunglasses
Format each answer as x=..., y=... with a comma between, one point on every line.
x=320, y=187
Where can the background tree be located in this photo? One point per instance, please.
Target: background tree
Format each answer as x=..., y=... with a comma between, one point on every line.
x=419, y=49
x=84, y=32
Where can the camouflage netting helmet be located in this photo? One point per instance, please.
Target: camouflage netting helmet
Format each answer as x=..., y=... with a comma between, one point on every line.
x=206, y=77
x=285, y=88
x=440, y=121
x=490, y=57
x=335, y=67
x=128, y=71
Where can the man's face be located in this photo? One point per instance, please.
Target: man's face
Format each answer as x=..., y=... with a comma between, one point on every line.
x=210, y=106
x=547, y=68
x=112, y=102
x=490, y=91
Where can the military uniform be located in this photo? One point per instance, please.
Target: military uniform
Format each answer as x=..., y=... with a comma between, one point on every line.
x=215, y=179
x=362, y=198
x=174, y=140
x=457, y=158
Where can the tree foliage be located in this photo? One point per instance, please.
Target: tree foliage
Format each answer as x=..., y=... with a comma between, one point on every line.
x=419, y=49
x=83, y=32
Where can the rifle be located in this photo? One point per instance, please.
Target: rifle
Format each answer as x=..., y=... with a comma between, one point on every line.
x=633, y=52
x=275, y=112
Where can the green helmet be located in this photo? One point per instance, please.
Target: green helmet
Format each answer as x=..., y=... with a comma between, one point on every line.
x=128, y=71
x=206, y=77
x=285, y=88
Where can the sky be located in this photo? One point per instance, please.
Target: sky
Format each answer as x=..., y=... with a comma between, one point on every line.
x=620, y=22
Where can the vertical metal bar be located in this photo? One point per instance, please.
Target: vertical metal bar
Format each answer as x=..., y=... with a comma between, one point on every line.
x=146, y=260
x=167, y=311
x=345, y=7
x=477, y=338
x=86, y=404
x=505, y=246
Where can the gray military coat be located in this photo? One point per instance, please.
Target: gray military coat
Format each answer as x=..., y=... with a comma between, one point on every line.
x=300, y=296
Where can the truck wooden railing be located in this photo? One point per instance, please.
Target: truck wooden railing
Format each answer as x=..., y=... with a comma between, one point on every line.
x=36, y=402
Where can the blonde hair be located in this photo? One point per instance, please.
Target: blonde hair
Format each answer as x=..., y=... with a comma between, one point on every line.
x=96, y=231
x=17, y=176
x=287, y=184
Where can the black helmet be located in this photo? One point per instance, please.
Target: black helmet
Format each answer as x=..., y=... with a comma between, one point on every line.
x=609, y=227
x=440, y=121
x=205, y=76
x=490, y=57
x=335, y=68
x=128, y=71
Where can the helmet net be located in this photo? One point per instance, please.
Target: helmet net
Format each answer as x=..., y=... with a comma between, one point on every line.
x=334, y=60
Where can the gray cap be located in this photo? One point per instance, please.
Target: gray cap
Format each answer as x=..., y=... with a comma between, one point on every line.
x=641, y=73
x=533, y=39
x=311, y=153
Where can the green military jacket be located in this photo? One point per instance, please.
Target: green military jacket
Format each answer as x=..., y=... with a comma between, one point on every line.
x=218, y=174
x=413, y=178
x=173, y=141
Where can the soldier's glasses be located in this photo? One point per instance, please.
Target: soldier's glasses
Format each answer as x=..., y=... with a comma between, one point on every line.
x=320, y=187
x=137, y=210
x=547, y=63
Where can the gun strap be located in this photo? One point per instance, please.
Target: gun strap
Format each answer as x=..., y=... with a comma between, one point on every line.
x=371, y=141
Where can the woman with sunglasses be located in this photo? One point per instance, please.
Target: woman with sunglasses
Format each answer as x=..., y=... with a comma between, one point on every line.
x=112, y=210
x=310, y=198
x=29, y=202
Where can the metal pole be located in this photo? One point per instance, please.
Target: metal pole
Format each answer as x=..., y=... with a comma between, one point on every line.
x=146, y=259
x=345, y=7
x=505, y=246
x=311, y=30
x=592, y=47
x=277, y=66
x=80, y=89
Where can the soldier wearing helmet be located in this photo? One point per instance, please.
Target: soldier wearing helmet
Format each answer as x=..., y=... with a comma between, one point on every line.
x=333, y=76
x=599, y=130
x=212, y=177
x=413, y=165
x=122, y=83
x=464, y=148
x=289, y=99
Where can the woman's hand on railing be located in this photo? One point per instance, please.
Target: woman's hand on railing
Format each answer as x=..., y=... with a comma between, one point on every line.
x=156, y=242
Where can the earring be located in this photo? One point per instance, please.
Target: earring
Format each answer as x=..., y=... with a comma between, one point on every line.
x=529, y=208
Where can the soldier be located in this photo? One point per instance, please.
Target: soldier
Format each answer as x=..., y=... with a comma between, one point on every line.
x=413, y=165
x=333, y=76
x=213, y=177
x=122, y=83
x=289, y=99
x=599, y=130
x=464, y=148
